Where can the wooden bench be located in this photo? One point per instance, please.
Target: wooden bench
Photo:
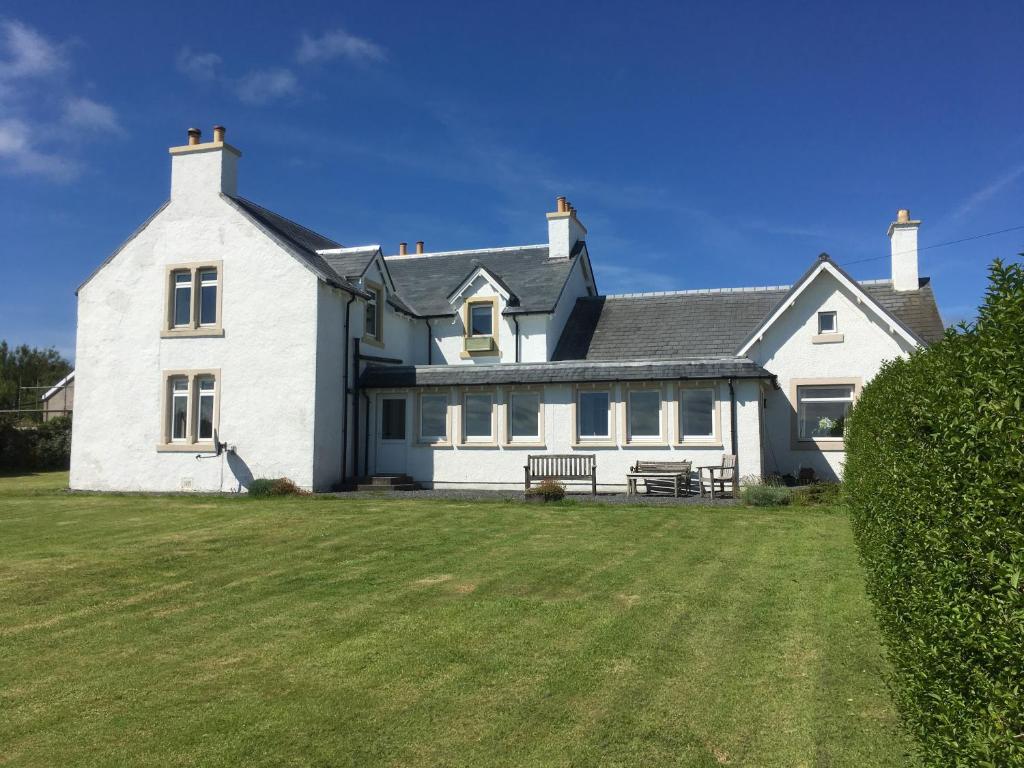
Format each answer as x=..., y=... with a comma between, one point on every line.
x=562, y=466
x=660, y=477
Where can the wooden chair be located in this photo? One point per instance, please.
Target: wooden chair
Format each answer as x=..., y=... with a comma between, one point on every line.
x=559, y=466
x=660, y=477
x=722, y=477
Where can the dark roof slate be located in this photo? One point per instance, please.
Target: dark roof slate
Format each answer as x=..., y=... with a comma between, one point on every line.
x=425, y=282
x=386, y=376
x=351, y=265
x=712, y=324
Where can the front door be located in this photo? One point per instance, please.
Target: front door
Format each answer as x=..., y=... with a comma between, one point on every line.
x=392, y=428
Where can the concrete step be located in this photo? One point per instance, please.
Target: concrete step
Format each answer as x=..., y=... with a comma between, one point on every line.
x=382, y=487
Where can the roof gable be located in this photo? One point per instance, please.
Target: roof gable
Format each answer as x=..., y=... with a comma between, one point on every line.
x=479, y=270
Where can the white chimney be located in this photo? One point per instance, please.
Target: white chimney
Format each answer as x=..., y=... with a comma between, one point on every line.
x=903, y=241
x=564, y=230
x=200, y=170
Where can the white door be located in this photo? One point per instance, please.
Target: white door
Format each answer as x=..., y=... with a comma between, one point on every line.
x=392, y=429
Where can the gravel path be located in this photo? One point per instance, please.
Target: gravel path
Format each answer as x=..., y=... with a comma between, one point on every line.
x=583, y=498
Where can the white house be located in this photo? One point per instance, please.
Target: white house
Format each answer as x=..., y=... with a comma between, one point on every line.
x=220, y=322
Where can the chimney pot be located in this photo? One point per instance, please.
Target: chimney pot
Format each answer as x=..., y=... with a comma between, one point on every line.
x=419, y=246
x=218, y=133
x=403, y=249
x=560, y=204
x=903, y=215
x=193, y=135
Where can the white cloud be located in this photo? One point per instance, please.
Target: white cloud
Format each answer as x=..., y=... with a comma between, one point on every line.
x=337, y=44
x=22, y=156
x=266, y=85
x=26, y=53
x=82, y=112
x=986, y=193
x=198, y=66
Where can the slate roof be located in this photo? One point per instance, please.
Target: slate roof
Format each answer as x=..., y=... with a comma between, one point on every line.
x=302, y=241
x=387, y=376
x=352, y=263
x=708, y=323
x=425, y=281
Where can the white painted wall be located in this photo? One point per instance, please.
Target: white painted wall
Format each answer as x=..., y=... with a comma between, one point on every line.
x=449, y=332
x=788, y=351
x=501, y=466
x=575, y=286
x=267, y=357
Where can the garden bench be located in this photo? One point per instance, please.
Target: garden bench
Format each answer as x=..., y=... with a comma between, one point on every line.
x=562, y=466
x=659, y=477
x=721, y=476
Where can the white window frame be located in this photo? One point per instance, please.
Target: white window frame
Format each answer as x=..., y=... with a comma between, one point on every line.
x=179, y=286
x=715, y=439
x=835, y=322
x=434, y=439
x=191, y=441
x=205, y=282
x=819, y=443
x=207, y=394
x=194, y=285
x=535, y=441
x=609, y=392
x=178, y=393
x=658, y=439
x=490, y=439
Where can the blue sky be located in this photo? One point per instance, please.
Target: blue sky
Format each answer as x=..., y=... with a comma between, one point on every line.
x=718, y=144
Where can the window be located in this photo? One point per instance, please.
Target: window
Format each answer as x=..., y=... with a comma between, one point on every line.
x=179, y=409
x=392, y=418
x=208, y=297
x=182, y=300
x=697, y=414
x=193, y=300
x=433, y=418
x=827, y=322
x=822, y=411
x=477, y=418
x=207, y=394
x=190, y=410
x=371, y=327
x=644, y=414
x=593, y=415
x=524, y=417
x=481, y=319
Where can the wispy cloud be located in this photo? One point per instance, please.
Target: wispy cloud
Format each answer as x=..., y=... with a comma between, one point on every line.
x=264, y=86
x=40, y=107
x=198, y=66
x=338, y=44
x=989, y=191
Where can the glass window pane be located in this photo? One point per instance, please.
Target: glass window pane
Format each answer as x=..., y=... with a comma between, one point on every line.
x=205, y=416
x=826, y=322
x=183, y=305
x=208, y=276
x=371, y=317
x=477, y=415
x=434, y=416
x=822, y=411
x=644, y=414
x=827, y=393
x=206, y=383
x=392, y=418
x=698, y=413
x=524, y=420
x=593, y=414
x=179, y=416
x=182, y=277
x=208, y=305
x=180, y=385
x=481, y=320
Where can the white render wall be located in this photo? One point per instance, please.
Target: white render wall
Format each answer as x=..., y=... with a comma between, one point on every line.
x=789, y=352
x=267, y=357
x=575, y=286
x=501, y=466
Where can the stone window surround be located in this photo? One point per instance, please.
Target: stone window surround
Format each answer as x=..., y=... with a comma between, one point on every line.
x=169, y=331
x=714, y=441
x=465, y=442
x=817, y=444
x=590, y=442
x=446, y=441
x=495, y=326
x=523, y=442
x=661, y=440
x=190, y=444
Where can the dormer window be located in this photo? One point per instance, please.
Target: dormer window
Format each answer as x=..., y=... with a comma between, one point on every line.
x=481, y=326
x=827, y=322
x=193, y=301
x=481, y=319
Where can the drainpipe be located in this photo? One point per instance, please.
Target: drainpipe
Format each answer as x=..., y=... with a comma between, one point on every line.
x=515, y=320
x=430, y=343
x=355, y=407
x=345, y=391
x=732, y=422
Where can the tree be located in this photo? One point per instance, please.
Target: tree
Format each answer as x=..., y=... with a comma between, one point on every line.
x=26, y=366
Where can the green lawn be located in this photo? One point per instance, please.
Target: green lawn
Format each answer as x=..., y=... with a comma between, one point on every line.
x=165, y=631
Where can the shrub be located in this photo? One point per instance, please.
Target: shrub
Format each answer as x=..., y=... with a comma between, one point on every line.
x=547, y=489
x=817, y=494
x=35, y=447
x=934, y=480
x=764, y=493
x=277, y=486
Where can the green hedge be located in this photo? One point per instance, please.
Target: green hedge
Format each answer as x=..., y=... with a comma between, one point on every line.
x=934, y=480
x=35, y=447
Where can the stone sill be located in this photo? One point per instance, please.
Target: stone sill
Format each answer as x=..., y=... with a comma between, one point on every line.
x=827, y=338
